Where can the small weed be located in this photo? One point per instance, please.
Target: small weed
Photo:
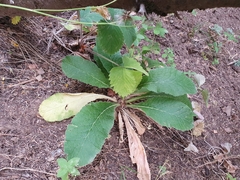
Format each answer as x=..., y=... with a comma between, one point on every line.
x=169, y=56
x=215, y=61
x=230, y=35
x=230, y=177
x=163, y=170
x=194, y=12
x=215, y=48
x=67, y=168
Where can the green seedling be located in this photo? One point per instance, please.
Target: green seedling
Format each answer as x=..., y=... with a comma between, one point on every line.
x=169, y=56
x=67, y=168
x=230, y=35
x=230, y=177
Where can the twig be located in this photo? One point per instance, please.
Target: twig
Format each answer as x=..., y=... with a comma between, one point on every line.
x=216, y=160
x=26, y=169
x=21, y=83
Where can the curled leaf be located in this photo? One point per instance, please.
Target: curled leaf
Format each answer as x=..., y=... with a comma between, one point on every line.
x=137, y=152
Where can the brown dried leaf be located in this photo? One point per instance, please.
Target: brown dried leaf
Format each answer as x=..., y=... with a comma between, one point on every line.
x=39, y=78
x=228, y=130
x=137, y=152
x=104, y=12
x=219, y=157
x=40, y=71
x=32, y=66
x=230, y=167
x=198, y=128
x=137, y=122
x=120, y=126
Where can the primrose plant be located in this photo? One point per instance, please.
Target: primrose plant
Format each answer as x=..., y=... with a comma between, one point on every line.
x=138, y=83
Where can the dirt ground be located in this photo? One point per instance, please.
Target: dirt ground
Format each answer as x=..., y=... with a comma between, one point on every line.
x=30, y=56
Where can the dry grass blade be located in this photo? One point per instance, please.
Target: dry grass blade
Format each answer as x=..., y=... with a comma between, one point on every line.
x=137, y=152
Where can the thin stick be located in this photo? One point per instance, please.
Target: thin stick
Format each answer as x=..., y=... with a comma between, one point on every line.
x=27, y=169
x=21, y=83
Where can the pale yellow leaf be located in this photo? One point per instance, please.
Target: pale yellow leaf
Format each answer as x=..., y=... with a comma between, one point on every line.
x=61, y=106
x=137, y=152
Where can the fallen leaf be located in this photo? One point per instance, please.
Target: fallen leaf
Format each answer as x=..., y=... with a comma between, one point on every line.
x=227, y=110
x=32, y=66
x=200, y=79
x=226, y=147
x=40, y=71
x=215, y=131
x=137, y=152
x=230, y=167
x=219, y=157
x=39, y=78
x=191, y=147
x=198, y=128
x=228, y=130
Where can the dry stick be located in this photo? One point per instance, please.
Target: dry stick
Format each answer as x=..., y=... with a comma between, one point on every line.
x=27, y=169
x=21, y=83
x=212, y=162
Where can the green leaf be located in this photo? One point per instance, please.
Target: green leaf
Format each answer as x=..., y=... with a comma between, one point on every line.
x=116, y=14
x=63, y=170
x=88, y=17
x=124, y=81
x=86, y=134
x=168, y=112
x=74, y=172
x=76, y=67
x=61, y=106
x=129, y=33
x=159, y=30
x=184, y=99
x=168, y=80
x=73, y=162
x=131, y=63
x=110, y=38
x=117, y=58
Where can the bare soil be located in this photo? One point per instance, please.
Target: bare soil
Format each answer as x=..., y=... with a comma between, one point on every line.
x=29, y=146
